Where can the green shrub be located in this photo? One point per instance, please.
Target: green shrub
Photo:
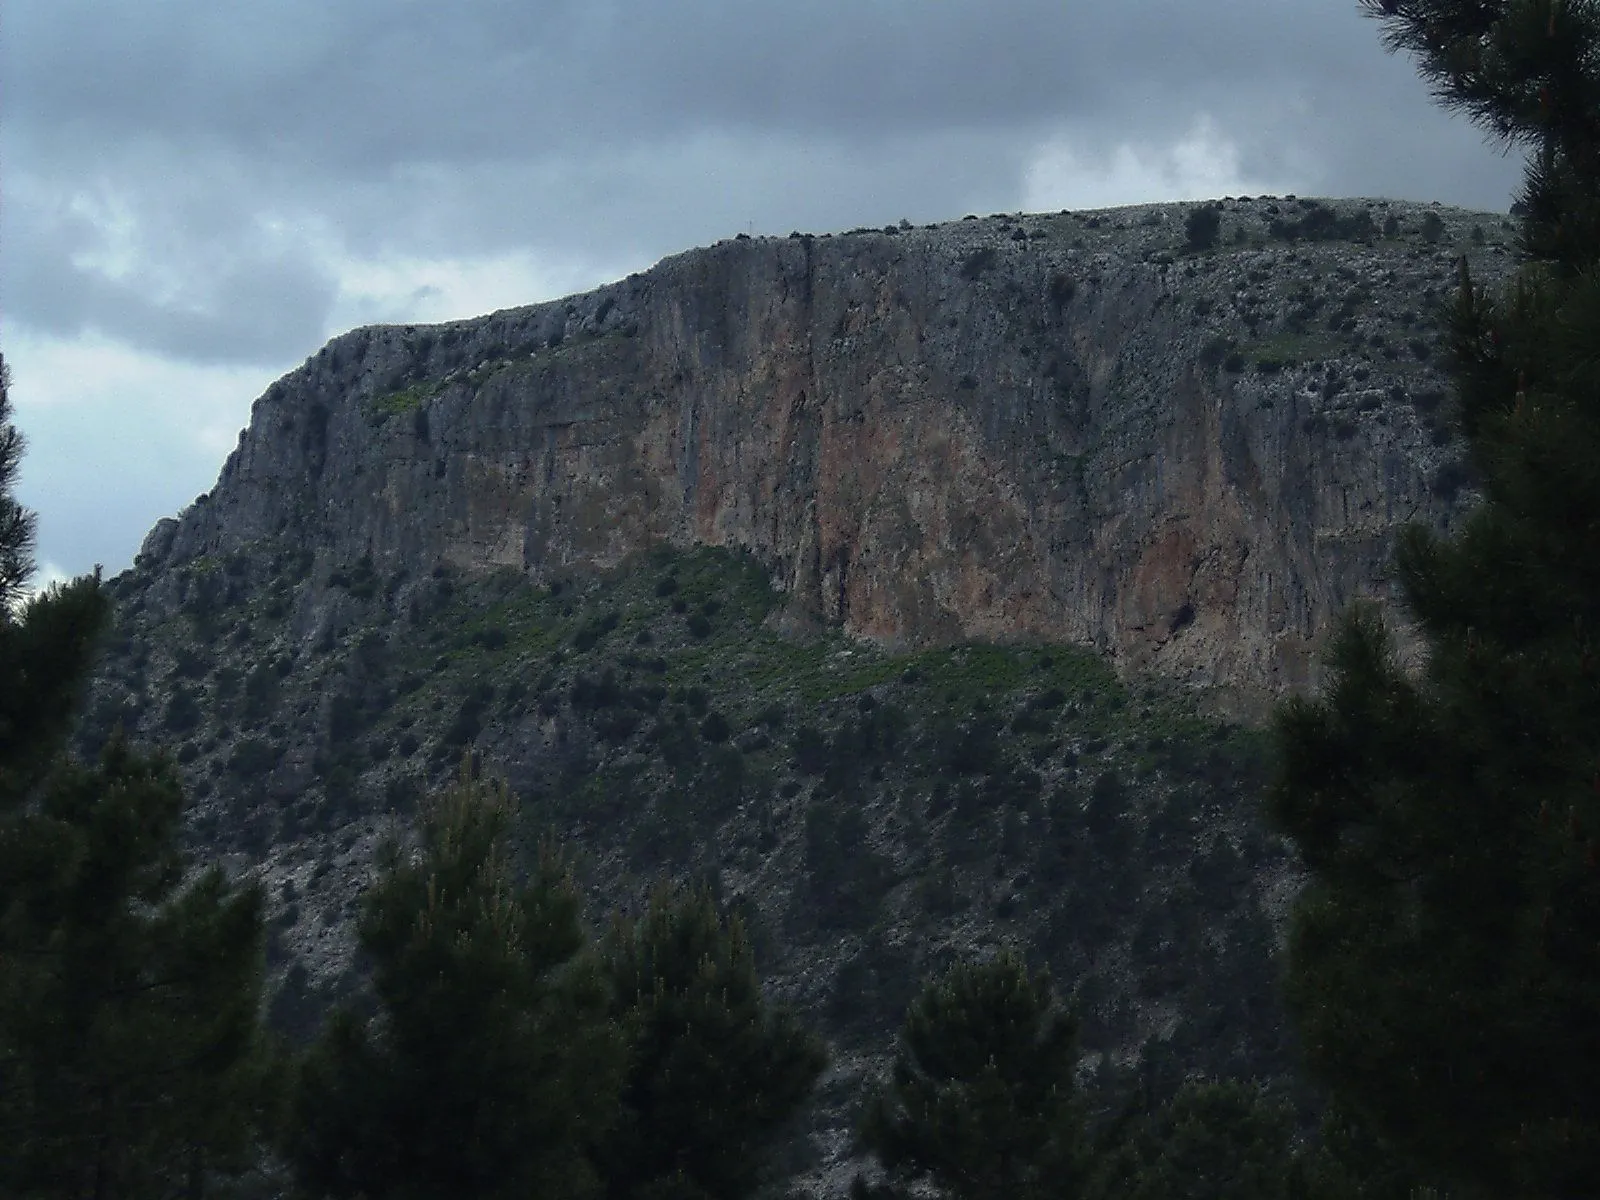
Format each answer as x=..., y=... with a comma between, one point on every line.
x=1319, y=223
x=1212, y=1141
x=981, y=1100
x=978, y=262
x=182, y=712
x=252, y=757
x=1215, y=351
x=1201, y=227
x=591, y=631
x=810, y=750
x=1062, y=290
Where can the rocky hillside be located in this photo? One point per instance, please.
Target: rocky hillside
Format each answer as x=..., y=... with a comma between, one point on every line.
x=884, y=581
x=1066, y=427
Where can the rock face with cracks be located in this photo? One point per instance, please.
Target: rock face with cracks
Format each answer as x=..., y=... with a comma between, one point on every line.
x=1071, y=427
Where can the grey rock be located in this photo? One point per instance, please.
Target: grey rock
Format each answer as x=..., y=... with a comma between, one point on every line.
x=940, y=434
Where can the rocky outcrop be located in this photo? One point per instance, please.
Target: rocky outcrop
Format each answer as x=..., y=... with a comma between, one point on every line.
x=1070, y=426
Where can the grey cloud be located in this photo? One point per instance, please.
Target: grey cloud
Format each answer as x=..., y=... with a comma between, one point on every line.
x=594, y=136
x=364, y=83
x=618, y=130
x=235, y=300
x=626, y=206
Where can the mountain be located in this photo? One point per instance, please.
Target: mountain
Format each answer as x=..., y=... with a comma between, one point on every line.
x=1053, y=426
x=916, y=588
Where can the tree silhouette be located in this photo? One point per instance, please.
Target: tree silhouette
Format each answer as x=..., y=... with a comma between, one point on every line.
x=1445, y=959
x=714, y=1070
x=131, y=1060
x=981, y=1099
x=490, y=1064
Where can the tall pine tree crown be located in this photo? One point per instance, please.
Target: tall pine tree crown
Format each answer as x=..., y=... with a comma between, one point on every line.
x=1445, y=957
x=17, y=524
x=130, y=1054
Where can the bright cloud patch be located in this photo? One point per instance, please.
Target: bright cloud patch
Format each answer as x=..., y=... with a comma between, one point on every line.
x=117, y=438
x=1203, y=164
x=45, y=577
x=424, y=291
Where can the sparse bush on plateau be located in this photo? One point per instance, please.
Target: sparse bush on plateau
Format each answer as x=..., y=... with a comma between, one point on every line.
x=1201, y=227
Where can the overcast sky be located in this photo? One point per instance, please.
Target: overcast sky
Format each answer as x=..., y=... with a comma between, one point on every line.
x=197, y=195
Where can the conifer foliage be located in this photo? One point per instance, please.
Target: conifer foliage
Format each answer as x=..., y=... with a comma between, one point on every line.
x=1445, y=960
x=490, y=1065
x=714, y=1069
x=981, y=1099
x=131, y=1062
x=46, y=644
x=1214, y=1140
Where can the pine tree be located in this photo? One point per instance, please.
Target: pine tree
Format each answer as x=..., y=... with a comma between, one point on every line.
x=46, y=643
x=1347, y=1161
x=1212, y=1141
x=1201, y=226
x=130, y=1058
x=981, y=1100
x=134, y=1062
x=1445, y=958
x=714, y=1069
x=490, y=1064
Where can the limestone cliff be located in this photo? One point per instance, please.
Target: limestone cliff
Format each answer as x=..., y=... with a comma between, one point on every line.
x=1069, y=426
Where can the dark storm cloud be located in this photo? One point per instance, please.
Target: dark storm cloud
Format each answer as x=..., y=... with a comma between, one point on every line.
x=196, y=194
x=207, y=289
x=615, y=131
x=359, y=86
x=256, y=312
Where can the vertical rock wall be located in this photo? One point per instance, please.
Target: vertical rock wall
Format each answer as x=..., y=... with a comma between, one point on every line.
x=1066, y=427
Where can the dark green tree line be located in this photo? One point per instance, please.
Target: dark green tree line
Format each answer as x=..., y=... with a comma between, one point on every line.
x=1211, y=1141
x=1445, y=960
x=131, y=1062
x=714, y=1070
x=510, y=1057
x=489, y=1065
x=982, y=1102
x=981, y=1099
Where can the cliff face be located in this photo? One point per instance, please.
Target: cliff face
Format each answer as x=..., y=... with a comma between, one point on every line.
x=1064, y=429
x=1067, y=427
